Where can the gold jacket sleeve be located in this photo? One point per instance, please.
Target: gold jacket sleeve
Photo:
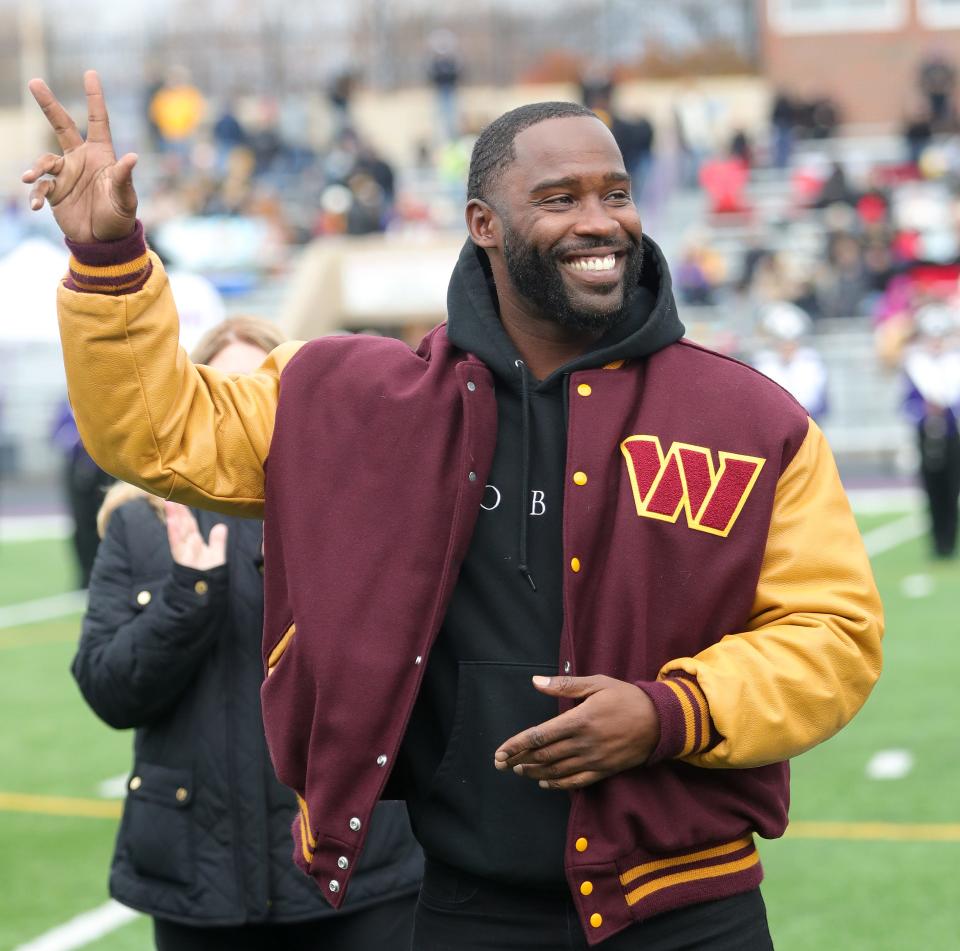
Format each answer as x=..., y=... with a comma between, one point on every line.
x=149, y=416
x=811, y=652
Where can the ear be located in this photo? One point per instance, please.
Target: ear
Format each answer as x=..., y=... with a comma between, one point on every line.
x=483, y=223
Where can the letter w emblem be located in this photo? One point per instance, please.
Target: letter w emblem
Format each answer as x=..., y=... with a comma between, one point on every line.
x=685, y=480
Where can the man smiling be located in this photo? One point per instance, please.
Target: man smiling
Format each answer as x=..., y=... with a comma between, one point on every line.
x=579, y=279
x=572, y=586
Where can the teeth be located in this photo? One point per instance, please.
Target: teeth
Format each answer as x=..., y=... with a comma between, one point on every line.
x=593, y=264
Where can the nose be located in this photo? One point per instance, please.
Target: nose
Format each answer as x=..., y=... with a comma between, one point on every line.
x=596, y=220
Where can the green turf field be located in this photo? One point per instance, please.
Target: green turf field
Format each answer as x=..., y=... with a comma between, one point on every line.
x=895, y=888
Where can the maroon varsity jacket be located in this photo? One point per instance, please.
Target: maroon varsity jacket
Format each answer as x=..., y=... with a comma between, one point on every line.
x=668, y=544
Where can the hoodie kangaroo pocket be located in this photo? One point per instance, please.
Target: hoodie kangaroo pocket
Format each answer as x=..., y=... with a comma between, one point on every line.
x=494, y=822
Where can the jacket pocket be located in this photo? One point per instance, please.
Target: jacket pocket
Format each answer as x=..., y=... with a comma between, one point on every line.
x=280, y=648
x=156, y=822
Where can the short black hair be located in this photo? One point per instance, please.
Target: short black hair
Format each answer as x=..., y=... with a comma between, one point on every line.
x=493, y=151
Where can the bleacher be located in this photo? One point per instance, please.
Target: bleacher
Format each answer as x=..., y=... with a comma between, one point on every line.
x=864, y=423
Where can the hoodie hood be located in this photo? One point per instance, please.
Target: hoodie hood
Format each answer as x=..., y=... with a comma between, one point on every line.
x=473, y=321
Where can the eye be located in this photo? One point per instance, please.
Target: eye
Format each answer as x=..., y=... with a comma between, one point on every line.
x=619, y=197
x=557, y=201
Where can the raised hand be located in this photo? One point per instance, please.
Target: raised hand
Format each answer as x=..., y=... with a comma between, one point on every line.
x=186, y=543
x=90, y=192
x=614, y=727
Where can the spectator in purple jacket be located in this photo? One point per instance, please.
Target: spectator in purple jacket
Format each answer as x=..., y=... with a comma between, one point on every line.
x=931, y=365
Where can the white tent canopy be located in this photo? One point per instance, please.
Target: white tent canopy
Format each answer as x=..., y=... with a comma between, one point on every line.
x=29, y=276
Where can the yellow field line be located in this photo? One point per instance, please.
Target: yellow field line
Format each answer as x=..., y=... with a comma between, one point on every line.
x=60, y=806
x=8, y=642
x=857, y=831
x=876, y=831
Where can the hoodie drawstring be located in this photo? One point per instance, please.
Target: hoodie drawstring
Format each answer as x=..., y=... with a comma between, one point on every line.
x=525, y=470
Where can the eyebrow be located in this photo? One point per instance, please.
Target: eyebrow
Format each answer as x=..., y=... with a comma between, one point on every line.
x=572, y=181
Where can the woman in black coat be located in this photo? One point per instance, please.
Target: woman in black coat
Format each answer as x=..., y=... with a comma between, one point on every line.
x=171, y=647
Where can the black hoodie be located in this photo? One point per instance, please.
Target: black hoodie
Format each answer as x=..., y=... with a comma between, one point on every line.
x=504, y=620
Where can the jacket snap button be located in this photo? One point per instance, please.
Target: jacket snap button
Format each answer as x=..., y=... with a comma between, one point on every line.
x=471, y=386
x=136, y=783
x=182, y=794
x=355, y=824
x=334, y=885
x=382, y=760
x=201, y=587
x=472, y=476
x=580, y=478
x=566, y=667
x=343, y=862
x=143, y=598
x=596, y=919
x=584, y=389
x=574, y=565
x=419, y=660
x=581, y=844
x=586, y=888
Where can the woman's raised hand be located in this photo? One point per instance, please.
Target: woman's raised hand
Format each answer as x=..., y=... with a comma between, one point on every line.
x=186, y=543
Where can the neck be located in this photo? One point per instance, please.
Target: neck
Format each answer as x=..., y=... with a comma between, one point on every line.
x=543, y=344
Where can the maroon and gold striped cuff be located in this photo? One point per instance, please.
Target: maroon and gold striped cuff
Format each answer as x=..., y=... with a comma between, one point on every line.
x=109, y=267
x=685, y=724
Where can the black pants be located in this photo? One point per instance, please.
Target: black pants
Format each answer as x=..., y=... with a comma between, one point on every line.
x=383, y=927
x=457, y=912
x=940, y=472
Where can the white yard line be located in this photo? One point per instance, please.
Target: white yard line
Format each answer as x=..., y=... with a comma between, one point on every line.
x=877, y=541
x=29, y=528
x=879, y=501
x=43, y=609
x=83, y=929
x=894, y=534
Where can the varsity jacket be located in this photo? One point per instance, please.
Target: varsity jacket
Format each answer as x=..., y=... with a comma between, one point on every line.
x=711, y=559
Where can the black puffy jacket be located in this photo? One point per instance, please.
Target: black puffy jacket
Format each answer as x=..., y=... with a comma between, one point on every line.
x=175, y=653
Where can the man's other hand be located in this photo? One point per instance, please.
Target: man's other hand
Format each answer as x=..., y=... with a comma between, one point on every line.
x=90, y=192
x=614, y=727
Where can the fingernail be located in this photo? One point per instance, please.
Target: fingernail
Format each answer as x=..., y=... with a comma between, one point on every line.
x=543, y=784
x=541, y=681
x=498, y=764
x=36, y=203
x=518, y=769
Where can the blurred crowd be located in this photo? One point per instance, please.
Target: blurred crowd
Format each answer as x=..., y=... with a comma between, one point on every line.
x=798, y=233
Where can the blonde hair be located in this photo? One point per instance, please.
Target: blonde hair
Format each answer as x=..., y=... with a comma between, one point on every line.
x=119, y=494
x=243, y=329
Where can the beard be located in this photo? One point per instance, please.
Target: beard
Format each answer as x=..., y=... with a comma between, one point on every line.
x=537, y=276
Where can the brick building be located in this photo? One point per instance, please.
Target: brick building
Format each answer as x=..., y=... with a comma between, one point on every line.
x=864, y=54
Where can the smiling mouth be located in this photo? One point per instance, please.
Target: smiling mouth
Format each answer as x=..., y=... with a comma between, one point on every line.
x=605, y=263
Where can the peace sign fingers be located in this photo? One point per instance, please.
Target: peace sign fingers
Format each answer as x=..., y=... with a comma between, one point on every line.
x=98, y=122
x=65, y=129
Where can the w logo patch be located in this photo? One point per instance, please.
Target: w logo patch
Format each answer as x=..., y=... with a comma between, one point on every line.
x=685, y=480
